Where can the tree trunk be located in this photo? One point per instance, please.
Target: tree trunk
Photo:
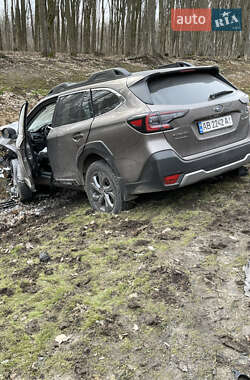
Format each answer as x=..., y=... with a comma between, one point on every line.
x=81, y=27
x=244, y=43
x=162, y=27
x=23, y=25
x=102, y=27
x=93, y=39
x=37, y=26
x=63, y=32
x=14, y=30
x=7, y=26
x=58, y=35
x=32, y=22
x=1, y=39
x=18, y=26
x=86, y=33
x=128, y=28
x=71, y=12
x=44, y=28
x=151, y=14
x=51, y=30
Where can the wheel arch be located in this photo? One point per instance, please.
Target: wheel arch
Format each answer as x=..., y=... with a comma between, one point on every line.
x=92, y=152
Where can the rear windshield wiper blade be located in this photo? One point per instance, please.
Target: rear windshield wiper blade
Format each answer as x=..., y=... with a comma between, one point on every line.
x=217, y=94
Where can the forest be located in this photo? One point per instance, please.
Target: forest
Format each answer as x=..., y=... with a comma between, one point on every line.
x=116, y=27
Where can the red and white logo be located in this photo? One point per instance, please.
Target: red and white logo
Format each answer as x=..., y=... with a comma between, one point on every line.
x=191, y=19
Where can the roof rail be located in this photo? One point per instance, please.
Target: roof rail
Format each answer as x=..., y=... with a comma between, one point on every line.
x=109, y=74
x=101, y=76
x=60, y=88
x=175, y=64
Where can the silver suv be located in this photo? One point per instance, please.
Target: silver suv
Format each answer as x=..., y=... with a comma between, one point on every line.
x=120, y=134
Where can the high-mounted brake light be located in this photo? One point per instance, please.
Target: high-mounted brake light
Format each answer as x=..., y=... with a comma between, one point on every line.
x=155, y=122
x=186, y=70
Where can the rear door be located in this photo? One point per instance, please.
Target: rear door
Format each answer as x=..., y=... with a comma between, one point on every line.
x=68, y=135
x=215, y=115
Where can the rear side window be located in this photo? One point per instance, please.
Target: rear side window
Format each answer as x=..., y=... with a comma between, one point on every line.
x=186, y=88
x=73, y=108
x=104, y=101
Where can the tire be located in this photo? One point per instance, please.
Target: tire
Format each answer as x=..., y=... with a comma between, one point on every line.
x=19, y=189
x=23, y=192
x=103, y=189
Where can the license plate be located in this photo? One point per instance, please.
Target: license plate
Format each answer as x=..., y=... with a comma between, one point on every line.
x=218, y=123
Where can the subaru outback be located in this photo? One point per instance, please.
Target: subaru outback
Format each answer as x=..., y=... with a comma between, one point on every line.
x=120, y=134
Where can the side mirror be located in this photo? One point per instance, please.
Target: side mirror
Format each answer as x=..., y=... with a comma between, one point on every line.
x=9, y=133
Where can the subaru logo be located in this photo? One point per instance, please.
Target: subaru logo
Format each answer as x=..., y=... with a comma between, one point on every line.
x=218, y=108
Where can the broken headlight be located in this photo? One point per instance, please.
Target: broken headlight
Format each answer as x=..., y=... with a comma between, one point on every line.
x=9, y=133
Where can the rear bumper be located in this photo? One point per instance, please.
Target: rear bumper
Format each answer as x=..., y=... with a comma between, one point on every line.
x=165, y=163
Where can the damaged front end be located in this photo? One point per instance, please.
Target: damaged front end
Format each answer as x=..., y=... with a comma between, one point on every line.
x=14, y=162
x=8, y=154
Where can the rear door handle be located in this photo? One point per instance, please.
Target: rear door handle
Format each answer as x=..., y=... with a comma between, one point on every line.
x=77, y=137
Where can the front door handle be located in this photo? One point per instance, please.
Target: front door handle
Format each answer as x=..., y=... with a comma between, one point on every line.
x=77, y=137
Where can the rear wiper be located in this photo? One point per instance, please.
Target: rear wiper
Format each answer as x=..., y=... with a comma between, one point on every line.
x=217, y=94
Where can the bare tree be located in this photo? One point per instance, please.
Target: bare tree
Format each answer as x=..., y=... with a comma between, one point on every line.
x=44, y=28
x=37, y=42
x=14, y=29
x=32, y=22
x=1, y=39
x=7, y=26
x=72, y=14
x=23, y=26
x=51, y=14
x=18, y=26
x=130, y=27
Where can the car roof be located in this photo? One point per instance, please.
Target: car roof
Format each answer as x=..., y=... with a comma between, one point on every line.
x=117, y=78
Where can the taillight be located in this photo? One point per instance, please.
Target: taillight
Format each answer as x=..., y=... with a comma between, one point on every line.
x=155, y=122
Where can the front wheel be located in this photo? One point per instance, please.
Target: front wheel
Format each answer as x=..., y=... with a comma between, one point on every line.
x=19, y=189
x=24, y=193
x=103, y=189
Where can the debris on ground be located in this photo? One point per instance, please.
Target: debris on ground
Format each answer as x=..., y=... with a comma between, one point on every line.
x=10, y=203
x=246, y=269
x=234, y=344
x=62, y=338
x=44, y=257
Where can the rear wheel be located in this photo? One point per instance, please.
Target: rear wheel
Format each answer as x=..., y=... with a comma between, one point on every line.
x=103, y=189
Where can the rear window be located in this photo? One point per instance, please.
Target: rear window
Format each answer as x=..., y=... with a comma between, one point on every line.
x=186, y=88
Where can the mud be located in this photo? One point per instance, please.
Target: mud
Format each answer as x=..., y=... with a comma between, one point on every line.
x=154, y=293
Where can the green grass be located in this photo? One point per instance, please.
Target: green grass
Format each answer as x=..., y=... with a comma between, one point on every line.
x=96, y=265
